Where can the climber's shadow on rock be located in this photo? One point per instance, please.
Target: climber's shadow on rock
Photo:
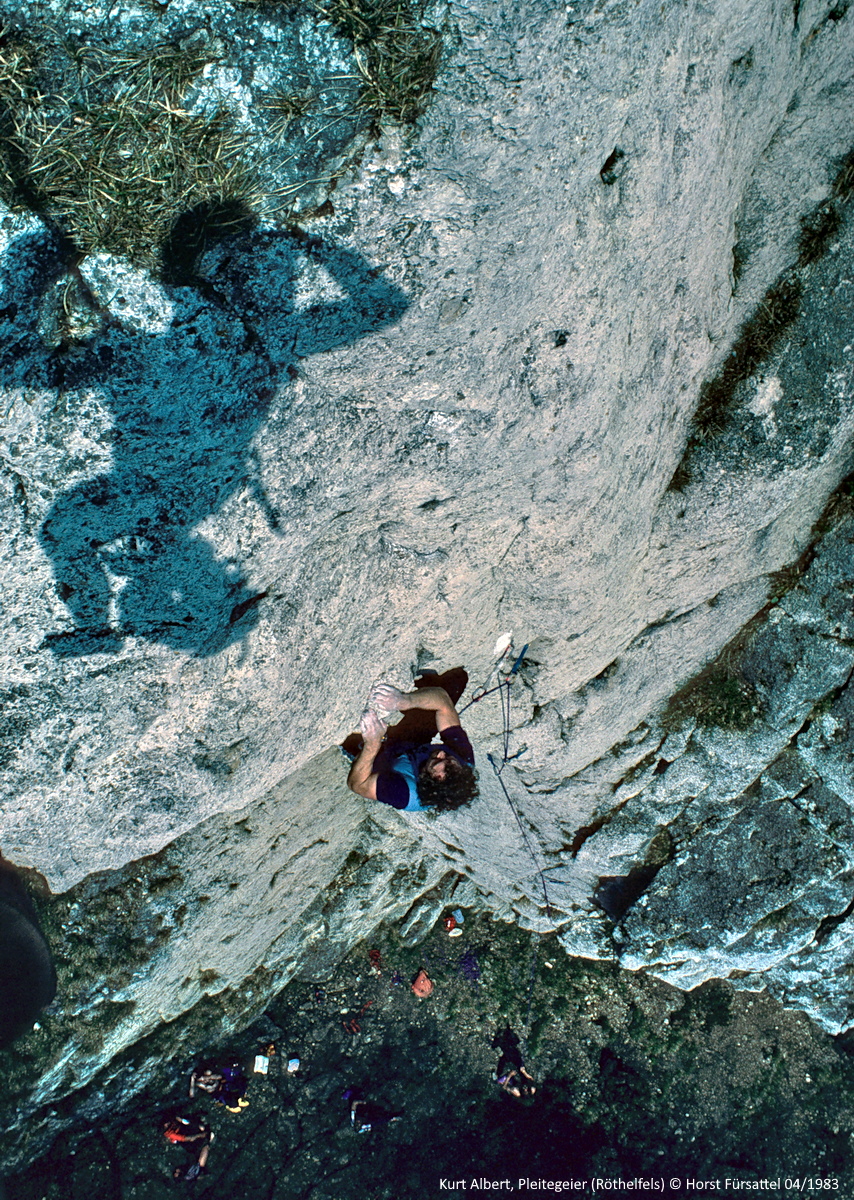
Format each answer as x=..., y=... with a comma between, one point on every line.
x=186, y=397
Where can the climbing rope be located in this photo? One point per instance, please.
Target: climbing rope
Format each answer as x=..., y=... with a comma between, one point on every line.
x=497, y=771
x=503, y=688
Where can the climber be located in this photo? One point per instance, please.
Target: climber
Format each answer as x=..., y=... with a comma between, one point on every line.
x=231, y=1091
x=397, y=764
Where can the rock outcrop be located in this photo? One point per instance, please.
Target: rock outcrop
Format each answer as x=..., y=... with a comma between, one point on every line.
x=456, y=400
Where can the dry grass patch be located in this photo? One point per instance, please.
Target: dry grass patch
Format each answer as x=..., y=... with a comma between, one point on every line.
x=719, y=695
x=396, y=55
x=101, y=145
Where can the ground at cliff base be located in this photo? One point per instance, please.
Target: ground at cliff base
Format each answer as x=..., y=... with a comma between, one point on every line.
x=634, y=1079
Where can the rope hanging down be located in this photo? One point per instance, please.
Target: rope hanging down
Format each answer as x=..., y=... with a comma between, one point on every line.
x=503, y=689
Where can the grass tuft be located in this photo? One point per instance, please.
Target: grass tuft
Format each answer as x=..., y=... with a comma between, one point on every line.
x=681, y=478
x=838, y=508
x=285, y=107
x=817, y=232
x=719, y=695
x=397, y=57
x=783, y=580
x=759, y=336
x=819, y=227
x=843, y=185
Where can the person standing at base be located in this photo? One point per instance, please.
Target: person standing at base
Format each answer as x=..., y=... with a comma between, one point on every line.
x=399, y=765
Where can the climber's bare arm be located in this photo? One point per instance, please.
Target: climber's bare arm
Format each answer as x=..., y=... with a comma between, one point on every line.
x=362, y=779
x=434, y=699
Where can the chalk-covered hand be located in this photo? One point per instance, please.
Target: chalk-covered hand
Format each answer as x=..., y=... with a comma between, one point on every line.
x=387, y=698
x=373, y=729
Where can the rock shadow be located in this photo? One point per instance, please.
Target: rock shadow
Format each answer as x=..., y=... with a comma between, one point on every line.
x=28, y=978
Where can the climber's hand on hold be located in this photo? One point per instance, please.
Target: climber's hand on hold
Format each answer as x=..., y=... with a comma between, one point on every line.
x=373, y=729
x=390, y=699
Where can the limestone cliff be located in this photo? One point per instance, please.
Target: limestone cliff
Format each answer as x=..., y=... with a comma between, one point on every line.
x=572, y=357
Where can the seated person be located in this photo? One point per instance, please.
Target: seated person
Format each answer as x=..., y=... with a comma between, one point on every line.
x=206, y=1079
x=510, y=1072
x=227, y=1085
x=232, y=1089
x=194, y=1134
x=365, y=1115
x=399, y=765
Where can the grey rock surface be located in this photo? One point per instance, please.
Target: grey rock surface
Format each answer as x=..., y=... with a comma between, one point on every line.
x=227, y=523
x=759, y=888
x=456, y=408
x=232, y=910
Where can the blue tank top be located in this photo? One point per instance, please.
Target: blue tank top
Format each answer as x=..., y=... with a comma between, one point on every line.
x=406, y=767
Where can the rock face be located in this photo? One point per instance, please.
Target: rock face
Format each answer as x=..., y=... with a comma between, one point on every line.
x=757, y=887
x=457, y=401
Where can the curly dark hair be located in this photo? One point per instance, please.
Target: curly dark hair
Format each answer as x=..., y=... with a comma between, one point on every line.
x=459, y=787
